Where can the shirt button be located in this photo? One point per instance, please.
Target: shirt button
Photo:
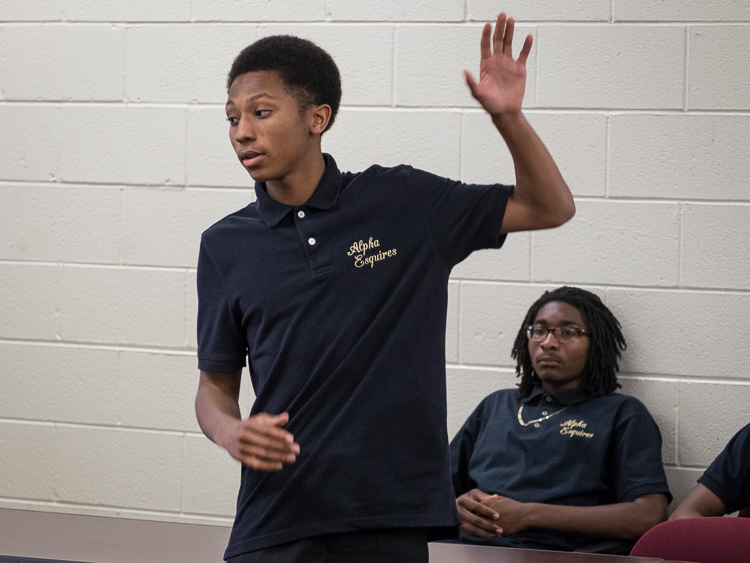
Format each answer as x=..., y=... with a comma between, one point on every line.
x=536, y=425
x=544, y=413
x=311, y=241
x=548, y=399
x=301, y=214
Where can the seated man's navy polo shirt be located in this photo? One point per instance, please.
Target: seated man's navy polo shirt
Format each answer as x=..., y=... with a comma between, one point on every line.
x=339, y=305
x=728, y=477
x=572, y=449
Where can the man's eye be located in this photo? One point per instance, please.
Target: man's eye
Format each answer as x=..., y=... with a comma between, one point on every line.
x=233, y=120
x=262, y=113
x=568, y=332
x=538, y=331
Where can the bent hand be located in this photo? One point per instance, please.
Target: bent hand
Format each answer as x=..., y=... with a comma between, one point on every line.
x=260, y=442
x=478, y=519
x=502, y=81
x=511, y=513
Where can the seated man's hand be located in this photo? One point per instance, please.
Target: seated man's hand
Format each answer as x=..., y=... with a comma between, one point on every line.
x=511, y=513
x=477, y=518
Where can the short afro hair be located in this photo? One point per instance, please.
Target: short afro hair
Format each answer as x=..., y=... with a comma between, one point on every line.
x=309, y=72
x=607, y=342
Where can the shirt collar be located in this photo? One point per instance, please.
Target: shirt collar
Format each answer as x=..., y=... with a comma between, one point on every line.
x=569, y=397
x=324, y=196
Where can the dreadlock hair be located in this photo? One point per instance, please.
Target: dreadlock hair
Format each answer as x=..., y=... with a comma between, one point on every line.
x=309, y=73
x=605, y=349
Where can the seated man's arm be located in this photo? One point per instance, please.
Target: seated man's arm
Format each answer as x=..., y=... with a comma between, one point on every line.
x=700, y=502
x=626, y=520
x=260, y=441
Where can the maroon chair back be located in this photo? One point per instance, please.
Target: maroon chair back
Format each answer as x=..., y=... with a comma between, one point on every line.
x=699, y=540
x=744, y=513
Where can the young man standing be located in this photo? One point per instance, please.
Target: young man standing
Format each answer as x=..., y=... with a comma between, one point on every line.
x=333, y=287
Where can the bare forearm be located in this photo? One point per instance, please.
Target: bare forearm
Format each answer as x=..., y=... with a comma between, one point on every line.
x=541, y=195
x=627, y=520
x=218, y=411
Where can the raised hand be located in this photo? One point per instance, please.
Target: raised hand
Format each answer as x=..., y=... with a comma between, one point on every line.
x=502, y=80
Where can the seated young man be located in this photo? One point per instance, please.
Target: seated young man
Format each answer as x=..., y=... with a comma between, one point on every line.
x=725, y=486
x=332, y=288
x=562, y=462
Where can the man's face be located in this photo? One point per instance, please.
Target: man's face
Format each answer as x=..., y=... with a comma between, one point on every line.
x=559, y=365
x=269, y=134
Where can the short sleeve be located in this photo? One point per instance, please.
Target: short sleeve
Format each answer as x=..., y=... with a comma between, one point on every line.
x=461, y=450
x=221, y=342
x=637, y=467
x=728, y=477
x=463, y=217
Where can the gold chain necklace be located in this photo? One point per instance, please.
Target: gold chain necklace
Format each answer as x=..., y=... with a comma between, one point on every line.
x=522, y=423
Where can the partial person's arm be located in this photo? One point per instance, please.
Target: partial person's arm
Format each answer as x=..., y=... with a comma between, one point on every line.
x=259, y=441
x=699, y=503
x=541, y=198
x=492, y=515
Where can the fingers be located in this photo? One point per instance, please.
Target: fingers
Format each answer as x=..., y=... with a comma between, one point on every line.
x=484, y=44
x=264, y=445
x=525, y=50
x=476, y=518
x=497, y=37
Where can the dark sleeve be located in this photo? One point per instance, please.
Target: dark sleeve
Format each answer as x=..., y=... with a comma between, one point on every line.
x=637, y=465
x=728, y=477
x=463, y=217
x=221, y=342
x=461, y=450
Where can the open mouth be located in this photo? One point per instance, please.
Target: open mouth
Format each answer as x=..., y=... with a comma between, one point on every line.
x=250, y=158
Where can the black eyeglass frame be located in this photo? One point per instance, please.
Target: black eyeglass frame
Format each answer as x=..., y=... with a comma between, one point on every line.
x=578, y=333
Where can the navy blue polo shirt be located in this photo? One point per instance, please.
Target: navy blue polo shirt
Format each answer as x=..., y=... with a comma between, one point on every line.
x=339, y=307
x=728, y=477
x=593, y=451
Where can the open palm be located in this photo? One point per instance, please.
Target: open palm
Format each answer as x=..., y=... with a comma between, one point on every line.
x=502, y=80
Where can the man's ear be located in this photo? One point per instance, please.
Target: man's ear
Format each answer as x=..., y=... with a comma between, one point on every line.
x=320, y=116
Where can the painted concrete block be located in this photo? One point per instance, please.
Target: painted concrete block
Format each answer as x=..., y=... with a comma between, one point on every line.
x=393, y=10
x=26, y=467
x=719, y=82
x=714, y=246
x=682, y=11
x=466, y=389
x=211, y=478
x=69, y=62
x=354, y=48
x=709, y=415
x=122, y=305
x=103, y=144
x=163, y=227
x=59, y=383
x=211, y=160
x=118, y=468
x=679, y=156
x=30, y=301
x=259, y=10
x=55, y=223
x=606, y=66
x=544, y=10
x=512, y=262
x=132, y=11
x=612, y=242
x=32, y=10
x=363, y=137
x=576, y=141
x=157, y=391
x=681, y=481
x=26, y=154
x=431, y=59
x=183, y=63
x=667, y=331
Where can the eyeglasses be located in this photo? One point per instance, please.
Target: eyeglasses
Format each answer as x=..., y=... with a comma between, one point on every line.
x=561, y=333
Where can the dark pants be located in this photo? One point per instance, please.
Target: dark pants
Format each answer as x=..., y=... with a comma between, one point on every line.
x=407, y=545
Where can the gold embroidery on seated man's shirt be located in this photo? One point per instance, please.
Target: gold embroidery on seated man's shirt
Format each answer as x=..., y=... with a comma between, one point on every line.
x=573, y=427
x=360, y=249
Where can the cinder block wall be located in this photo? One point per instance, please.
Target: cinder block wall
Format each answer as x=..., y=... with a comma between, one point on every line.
x=114, y=158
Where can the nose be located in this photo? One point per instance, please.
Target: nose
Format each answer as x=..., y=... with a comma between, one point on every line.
x=244, y=130
x=550, y=341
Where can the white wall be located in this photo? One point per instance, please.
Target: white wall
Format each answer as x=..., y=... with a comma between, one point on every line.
x=114, y=158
